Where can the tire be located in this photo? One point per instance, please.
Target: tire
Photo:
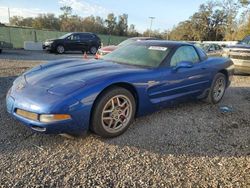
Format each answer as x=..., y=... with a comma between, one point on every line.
x=217, y=89
x=60, y=49
x=0, y=51
x=110, y=117
x=93, y=50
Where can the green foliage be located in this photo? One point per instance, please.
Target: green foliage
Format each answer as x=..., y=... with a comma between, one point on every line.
x=72, y=23
x=215, y=20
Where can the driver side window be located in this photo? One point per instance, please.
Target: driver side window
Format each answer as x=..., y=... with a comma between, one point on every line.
x=74, y=37
x=184, y=53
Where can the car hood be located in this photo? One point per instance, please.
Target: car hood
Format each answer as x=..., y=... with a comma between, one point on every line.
x=50, y=40
x=109, y=48
x=66, y=76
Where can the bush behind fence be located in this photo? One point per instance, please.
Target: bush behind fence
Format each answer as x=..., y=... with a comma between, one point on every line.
x=17, y=35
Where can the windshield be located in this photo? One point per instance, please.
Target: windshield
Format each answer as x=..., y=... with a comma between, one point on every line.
x=139, y=54
x=126, y=42
x=65, y=36
x=246, y=40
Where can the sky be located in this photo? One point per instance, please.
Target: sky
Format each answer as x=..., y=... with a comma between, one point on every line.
x=167, y=13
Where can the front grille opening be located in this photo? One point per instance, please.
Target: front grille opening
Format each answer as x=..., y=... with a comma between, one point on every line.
x=37, y=128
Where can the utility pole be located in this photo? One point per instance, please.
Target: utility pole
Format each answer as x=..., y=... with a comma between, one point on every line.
x=9, y=14
x=151, y=23
x=9, y=25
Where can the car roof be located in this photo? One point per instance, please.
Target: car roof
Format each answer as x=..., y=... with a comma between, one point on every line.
x=82, y=33
x=164, y=43
x=143, y=38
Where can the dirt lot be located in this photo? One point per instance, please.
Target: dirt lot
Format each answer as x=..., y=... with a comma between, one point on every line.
x=19, y=54
x=191, y=145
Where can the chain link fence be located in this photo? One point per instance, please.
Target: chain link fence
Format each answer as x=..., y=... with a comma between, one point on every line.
x=14, y=37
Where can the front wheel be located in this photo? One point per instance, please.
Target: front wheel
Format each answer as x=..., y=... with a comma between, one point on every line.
x=93, y=50
x=60, y=49
x=217, y=89
x=113, y=112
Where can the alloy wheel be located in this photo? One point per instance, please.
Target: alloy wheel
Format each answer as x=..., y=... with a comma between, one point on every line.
x=219, y=88
x=116, y=113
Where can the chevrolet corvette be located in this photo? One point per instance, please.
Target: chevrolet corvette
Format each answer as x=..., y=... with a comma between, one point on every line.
x=105, y=95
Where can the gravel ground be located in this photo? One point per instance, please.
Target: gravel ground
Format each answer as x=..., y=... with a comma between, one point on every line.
x=190, y=145
x=18, y=54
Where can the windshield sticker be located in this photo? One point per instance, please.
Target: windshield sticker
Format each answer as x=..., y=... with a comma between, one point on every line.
x=159, y=48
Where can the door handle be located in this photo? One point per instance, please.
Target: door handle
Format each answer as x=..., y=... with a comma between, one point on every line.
x=203, y=68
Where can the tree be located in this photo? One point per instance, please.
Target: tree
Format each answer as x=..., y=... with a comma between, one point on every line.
x=209, y=23
x=111, y=23
x=21, y=21
x=122, y=25
x=183, y=31
x=70, y=23
x=67, y=11
x=132, y=31
x=154, y=33
x=48, y=21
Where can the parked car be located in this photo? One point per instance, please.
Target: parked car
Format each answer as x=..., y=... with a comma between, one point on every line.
x=107, y=49
x=85, y=42
x=105, y=95
x=240, y=55
x=5, y=45
x=211, y=49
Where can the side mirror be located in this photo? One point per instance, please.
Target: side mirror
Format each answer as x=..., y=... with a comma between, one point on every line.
x=183, y=64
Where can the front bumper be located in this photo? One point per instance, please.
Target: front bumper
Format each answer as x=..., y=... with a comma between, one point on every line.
x=77, y=125
x=47, y=47
x=103, y=53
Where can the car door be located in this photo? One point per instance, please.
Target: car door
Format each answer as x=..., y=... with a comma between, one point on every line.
x=72, y=42
x=86, y=40
x=182, y=82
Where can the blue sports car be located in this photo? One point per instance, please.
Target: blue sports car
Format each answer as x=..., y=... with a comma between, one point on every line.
x=105, y=95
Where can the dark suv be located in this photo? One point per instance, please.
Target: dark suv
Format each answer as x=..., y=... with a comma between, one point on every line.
x=85, y=42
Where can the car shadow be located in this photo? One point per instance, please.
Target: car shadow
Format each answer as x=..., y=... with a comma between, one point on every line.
x=193, y=129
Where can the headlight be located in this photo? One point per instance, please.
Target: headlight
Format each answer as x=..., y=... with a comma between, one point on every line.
x=50, y=118
x=48, y=42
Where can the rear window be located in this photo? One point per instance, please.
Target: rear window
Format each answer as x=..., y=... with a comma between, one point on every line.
x=86, y=36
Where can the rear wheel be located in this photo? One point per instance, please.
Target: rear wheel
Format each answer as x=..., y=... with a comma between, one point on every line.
x=218, y=88
x=93, y=50
x=113, y=112
x=60, y=49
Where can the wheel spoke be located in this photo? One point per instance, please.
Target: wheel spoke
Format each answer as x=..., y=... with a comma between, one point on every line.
x=125, y=110
x=113, y=104
x=107, y=118
x=111, y=123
